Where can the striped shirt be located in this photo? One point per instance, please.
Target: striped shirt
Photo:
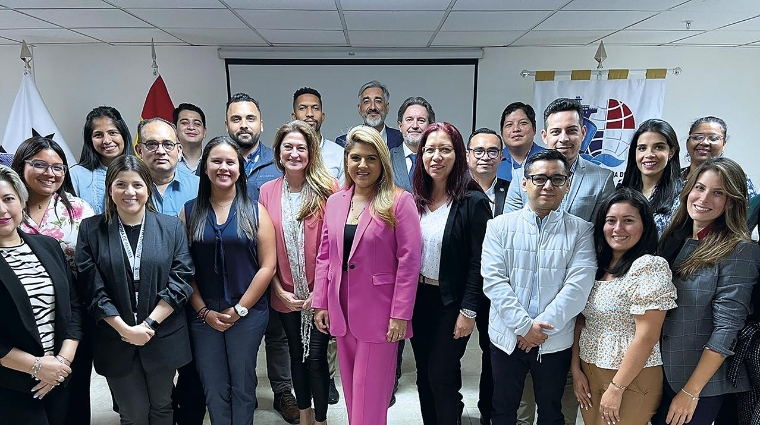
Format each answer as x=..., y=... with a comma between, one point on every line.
x=36, y=281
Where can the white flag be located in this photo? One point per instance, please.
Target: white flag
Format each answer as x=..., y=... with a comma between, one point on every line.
x=29, y=112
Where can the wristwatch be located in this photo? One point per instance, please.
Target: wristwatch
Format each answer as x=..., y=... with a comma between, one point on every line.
x=152, y=323
x=240, y=310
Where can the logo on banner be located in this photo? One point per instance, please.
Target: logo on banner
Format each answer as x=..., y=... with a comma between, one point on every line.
x=609, y=129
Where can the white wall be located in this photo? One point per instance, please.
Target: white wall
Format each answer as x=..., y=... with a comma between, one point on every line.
x=715, y=81
x=74, y=79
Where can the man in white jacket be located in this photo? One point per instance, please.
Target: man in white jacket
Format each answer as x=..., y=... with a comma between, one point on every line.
x=538, y=269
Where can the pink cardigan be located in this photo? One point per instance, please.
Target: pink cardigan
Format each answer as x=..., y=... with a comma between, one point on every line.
x=270, y=197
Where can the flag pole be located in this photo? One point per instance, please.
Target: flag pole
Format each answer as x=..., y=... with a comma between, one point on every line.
x=153, y=55
x=26, y=56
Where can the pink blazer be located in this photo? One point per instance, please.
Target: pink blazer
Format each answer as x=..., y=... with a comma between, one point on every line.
x=270, y=197
x=383, y=268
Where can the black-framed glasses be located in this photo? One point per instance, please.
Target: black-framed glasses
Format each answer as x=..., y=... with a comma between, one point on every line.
x=558, y=180
x=152, y=145
x=700, y=137
x=492, y=153
x=41, y=167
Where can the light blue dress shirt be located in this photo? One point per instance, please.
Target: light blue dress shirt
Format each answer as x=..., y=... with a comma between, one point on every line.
x=332, y=156
x=90, y=185
x=183, y=188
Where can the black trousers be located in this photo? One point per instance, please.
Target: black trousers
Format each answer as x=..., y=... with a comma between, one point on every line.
x=438, y=356
x=549, y=376
x=188, y=398
x=705, y=414
x=485, y=396
x=81, y=374
x=311, y=378
x=18, y=407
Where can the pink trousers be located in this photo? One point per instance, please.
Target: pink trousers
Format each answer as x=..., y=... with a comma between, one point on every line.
x=368, y=372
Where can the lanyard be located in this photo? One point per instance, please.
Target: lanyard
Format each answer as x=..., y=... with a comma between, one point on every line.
x=133, y=257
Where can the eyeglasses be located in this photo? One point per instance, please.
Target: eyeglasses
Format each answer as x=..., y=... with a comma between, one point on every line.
x=444, y=150
x=491, y=152
x=151, y=146
x=558, y=180
x=41, y=167
x=700, y=137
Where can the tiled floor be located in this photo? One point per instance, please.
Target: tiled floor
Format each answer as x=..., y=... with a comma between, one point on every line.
x=406, y=411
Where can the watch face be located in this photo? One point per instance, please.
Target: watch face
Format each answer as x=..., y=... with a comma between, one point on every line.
x=240, y=310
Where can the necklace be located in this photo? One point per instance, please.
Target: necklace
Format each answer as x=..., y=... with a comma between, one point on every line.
x=222, y=206
x=353, y=218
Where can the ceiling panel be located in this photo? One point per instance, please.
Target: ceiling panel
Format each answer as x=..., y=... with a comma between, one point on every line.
x=493, y=21
x=218, y=37
x=395, y=5
x=292, y=19
x=305, y=37
x=559, y=38
x=48, y=4
x=749, y=24
x=710, y=6
x=390, y=38
x=12, y=19
x=476, y=38
x=723, y=37
x=398, y=20
x=647, y=5
x=88, y=18
x=675, y=20
x=168, y=4
x=129, y=35
x=638, y=37
x=42, y=36
x=190, y=18
x=282, y=4
x=604, y=20
x=509, y=4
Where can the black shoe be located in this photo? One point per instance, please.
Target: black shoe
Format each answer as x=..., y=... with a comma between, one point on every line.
x=286, y=405
x=332, y=396
x=484, y=421
x=393, y=401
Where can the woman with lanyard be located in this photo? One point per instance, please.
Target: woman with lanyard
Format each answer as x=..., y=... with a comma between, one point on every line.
x=233, y=245
x=106, y=137
x=136, y=265
x=296, y=205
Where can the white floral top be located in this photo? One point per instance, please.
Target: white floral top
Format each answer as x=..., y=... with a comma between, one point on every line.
x=57, y=223
x=610, y=323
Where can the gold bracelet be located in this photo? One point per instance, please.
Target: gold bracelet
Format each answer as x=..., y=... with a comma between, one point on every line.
x=693, y=397
x=618, y=386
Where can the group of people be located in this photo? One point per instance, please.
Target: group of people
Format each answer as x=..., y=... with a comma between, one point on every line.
x=636, y=303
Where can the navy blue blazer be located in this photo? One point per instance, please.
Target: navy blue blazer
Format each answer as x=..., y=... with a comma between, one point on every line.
x=394, y=138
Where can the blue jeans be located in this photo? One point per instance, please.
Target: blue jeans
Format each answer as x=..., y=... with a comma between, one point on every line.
x=226, y=363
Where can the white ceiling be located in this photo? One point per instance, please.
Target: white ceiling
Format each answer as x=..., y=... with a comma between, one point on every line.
x=382, y=23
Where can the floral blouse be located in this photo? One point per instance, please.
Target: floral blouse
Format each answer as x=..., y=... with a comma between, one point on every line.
x=612, y=305
x=57, y=223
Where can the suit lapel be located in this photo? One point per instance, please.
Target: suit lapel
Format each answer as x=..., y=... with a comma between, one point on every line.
x=20, y=299
x=399, y=168
x=500, y=196
x=119, y=267
x=151, y=246
x=340, y=220
x=575, y=183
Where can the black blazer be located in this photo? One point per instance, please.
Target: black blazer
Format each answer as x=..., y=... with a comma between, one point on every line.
x=500, y=190
x=165, y=273
x=17, y=325
x=459, y=275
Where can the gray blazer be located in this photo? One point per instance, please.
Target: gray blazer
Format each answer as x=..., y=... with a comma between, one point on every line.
x=588, y=187
x=712, y=306
x=400, y=173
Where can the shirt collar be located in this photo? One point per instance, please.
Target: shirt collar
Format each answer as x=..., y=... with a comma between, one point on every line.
x=254, y=156
x=407, y=151
x=706, y=231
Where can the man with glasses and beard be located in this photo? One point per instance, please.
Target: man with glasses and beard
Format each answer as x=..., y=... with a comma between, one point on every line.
x=374, y=105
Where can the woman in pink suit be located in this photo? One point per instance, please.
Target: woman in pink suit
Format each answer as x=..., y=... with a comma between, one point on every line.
x=296, y=204
x=366, y=278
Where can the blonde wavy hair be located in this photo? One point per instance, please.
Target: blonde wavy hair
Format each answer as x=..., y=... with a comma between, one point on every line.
x=320, y=184
x=382, y=203
x=729, y=229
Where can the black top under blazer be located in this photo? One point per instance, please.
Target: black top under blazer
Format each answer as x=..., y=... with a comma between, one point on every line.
x=18, y=328
x=165, y=272
x=459, y=275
